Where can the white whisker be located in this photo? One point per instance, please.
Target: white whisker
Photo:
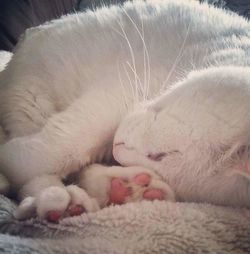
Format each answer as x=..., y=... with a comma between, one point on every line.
x=122, y=85
x=144, y=64
x=125, y=69
x=146, y=53
x=177, y=59
x=144, y=48
x=131, y=53
x=139, y=90
x=136, y=99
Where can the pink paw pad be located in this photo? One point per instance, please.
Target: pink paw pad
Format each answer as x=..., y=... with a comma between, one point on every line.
x=142, y=179
x=118, y=191
x=75, y=210
x=53, y=216
x=153, y=194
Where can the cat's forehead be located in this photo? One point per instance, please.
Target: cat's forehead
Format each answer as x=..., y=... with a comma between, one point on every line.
x=159, y=103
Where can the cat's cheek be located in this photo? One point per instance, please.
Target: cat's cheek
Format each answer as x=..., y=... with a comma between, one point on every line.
x=131, y=157
x=126, y=157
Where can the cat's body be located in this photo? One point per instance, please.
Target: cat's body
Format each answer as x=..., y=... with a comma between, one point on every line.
x=72, y=81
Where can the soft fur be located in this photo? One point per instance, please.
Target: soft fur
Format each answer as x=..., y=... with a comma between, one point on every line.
x=174, y=73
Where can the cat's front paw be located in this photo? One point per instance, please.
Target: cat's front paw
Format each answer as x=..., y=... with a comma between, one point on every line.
x=54, y=203
x=141, y=186
x=120, y=185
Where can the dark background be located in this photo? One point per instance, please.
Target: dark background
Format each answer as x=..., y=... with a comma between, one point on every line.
x=18, y=15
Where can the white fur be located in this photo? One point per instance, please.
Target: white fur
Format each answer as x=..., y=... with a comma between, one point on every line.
x=72, y=81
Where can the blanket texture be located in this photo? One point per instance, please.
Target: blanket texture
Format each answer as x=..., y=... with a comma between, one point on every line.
x=146, y=227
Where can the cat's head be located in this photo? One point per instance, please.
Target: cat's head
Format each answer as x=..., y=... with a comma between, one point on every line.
x=193, y=134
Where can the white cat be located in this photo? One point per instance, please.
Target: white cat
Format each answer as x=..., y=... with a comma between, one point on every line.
x=72, y=81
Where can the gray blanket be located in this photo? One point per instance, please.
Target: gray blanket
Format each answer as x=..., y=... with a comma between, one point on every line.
x=146, y=227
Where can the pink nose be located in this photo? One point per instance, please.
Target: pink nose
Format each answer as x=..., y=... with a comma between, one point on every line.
x=156, y=156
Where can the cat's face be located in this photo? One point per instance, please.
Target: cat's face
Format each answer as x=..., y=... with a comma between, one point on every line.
x=168, y=129
x=154, y=135
x=187, y=134
x=150, y=137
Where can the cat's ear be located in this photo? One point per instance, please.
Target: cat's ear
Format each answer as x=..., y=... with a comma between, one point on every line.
x=241, y=161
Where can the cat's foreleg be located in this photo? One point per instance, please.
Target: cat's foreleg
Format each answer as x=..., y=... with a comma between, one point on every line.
x=24, y=108
x=69, y=140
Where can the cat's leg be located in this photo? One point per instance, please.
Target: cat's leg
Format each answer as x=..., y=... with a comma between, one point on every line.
x=24, y=109
x=69, y=140
x=47, y=197
x=119, y=185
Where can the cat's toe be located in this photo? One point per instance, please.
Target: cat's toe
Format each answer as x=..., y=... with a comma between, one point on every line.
x=142, y=179
x=154, y=194
x=160, y=190
x=119, y=191
x=80, y=201
x=75, y=210
x=53, y=216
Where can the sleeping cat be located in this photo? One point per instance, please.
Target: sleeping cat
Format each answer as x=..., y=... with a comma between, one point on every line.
x=162, y=84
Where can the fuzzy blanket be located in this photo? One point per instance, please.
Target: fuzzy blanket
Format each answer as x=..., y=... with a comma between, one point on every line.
x=146, y=227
